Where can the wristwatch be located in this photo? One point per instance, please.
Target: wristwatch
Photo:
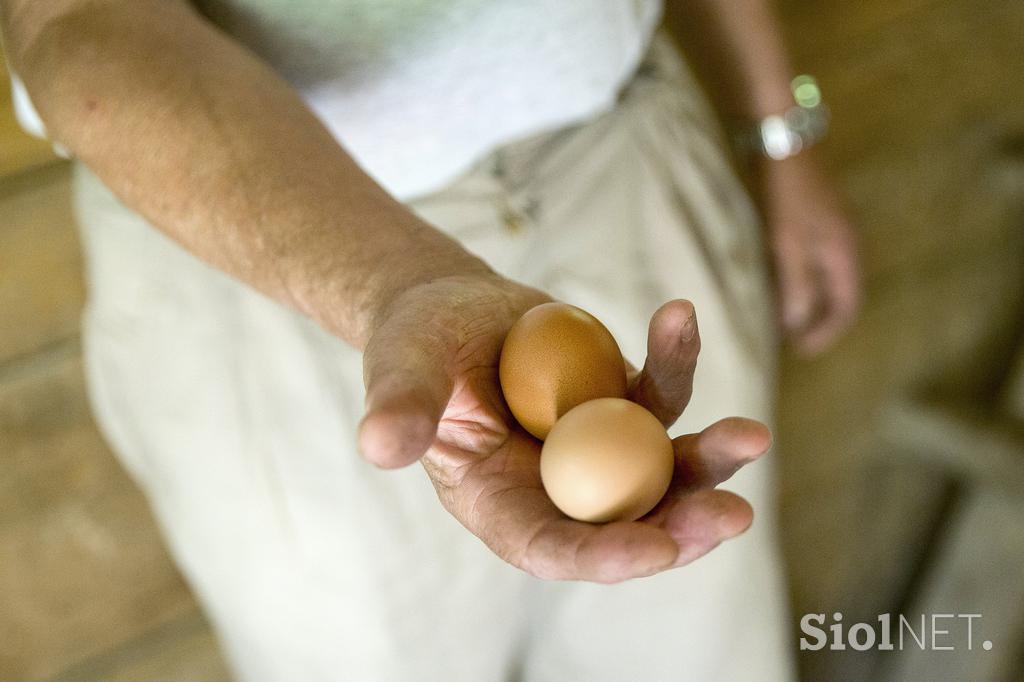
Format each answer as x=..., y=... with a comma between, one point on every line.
x=784, y=135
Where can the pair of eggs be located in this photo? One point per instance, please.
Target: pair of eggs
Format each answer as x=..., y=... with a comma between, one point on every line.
x=604, y=458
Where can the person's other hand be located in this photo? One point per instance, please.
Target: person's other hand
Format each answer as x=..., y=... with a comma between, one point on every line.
x=431, y=371
x=814, y=251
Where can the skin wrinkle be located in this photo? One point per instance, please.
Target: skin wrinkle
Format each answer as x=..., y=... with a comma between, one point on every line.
x=390, y=338
x=469, y=411
x=469, y=434
x=526, y=560
x=697, y=468
x=444, y=479
x=695, y=545
x=386, y=316
x=481, y=523
x=482, y=380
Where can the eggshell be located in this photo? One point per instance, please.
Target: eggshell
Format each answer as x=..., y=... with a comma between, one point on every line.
x=555, y=357
x=607, y=460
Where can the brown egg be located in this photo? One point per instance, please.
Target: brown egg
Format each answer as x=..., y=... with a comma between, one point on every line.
x=607, y=460
x=556, y=357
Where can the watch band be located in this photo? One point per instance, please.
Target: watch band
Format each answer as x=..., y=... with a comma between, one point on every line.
x=784, y=135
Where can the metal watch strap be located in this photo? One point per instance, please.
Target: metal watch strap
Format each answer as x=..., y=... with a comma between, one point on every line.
x=784, y=135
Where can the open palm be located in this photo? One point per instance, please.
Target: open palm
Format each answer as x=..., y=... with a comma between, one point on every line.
x=431, y=370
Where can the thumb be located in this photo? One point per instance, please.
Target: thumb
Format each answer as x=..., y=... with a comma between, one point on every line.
x=407, y=389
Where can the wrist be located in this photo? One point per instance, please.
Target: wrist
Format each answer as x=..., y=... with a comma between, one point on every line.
x=788, y=129
x=349, y=299
x=448, y=262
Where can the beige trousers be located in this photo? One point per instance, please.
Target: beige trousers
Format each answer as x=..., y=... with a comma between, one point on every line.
x=237, y=418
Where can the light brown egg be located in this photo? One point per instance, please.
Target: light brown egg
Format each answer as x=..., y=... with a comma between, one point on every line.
x=555, y=357
x=607, y=460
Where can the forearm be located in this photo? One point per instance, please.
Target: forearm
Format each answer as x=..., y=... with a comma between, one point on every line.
x=737, y=50
x=206, y=142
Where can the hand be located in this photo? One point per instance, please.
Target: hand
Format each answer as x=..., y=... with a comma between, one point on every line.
x=814, y=250
x=433, y=394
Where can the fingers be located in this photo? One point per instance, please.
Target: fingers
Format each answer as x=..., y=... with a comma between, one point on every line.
x=691, y=527
x=569, y=550
x=797, y=285
x=690, y=522
x=665, y=384
x=700, y=522
x=502, y=501
x=839, y=282
x=711, y=457
x=407, y=389
x=819, y=287
x=513, y=515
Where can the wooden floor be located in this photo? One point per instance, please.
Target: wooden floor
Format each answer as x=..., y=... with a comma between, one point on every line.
x=928, y=143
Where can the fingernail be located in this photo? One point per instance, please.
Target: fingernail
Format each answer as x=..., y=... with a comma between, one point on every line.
x=688, y=329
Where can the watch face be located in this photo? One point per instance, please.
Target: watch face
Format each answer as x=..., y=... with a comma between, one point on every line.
x=778, y=139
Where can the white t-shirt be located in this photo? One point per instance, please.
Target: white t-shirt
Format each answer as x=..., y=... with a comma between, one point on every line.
x=417, y=90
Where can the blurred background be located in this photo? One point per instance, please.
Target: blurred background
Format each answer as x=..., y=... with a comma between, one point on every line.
x=902, y=449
